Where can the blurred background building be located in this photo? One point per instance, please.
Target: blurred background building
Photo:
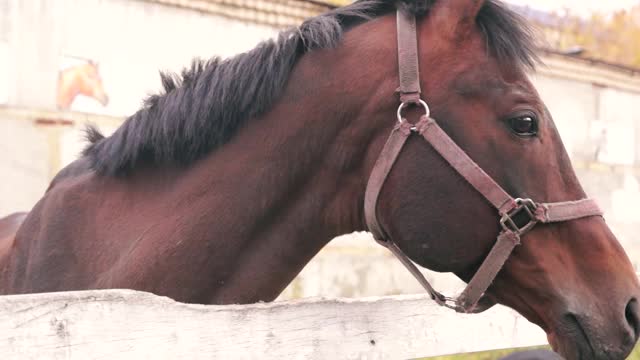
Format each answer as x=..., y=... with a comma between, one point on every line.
x=65, y=63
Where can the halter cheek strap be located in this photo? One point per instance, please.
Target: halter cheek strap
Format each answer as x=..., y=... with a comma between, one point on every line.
x=508, y=208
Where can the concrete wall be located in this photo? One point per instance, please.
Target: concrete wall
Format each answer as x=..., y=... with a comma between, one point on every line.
x=593, y=106
x=131, y=41
x=24, y=164
x=34, y=146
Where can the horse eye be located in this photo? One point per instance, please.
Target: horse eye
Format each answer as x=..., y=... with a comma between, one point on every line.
x=525, y=125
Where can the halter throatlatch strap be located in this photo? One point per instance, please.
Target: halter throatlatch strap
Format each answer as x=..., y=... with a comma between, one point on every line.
x=382, y=167
x=471, y=299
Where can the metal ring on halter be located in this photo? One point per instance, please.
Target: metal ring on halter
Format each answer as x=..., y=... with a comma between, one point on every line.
x=405, y=104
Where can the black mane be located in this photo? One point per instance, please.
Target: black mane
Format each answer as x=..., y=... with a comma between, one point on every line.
x=209, y=102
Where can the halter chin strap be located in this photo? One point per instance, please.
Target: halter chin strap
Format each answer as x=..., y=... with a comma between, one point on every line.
x=512, y=211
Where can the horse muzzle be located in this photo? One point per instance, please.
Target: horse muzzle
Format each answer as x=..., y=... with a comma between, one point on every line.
x=587, y=336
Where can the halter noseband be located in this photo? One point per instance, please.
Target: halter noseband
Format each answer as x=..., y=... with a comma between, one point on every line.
x=508, y=208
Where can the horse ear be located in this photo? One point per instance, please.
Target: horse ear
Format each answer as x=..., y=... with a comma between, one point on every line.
x=456, y=17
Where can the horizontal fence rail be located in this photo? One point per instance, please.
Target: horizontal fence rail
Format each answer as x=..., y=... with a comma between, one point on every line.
x=125, y=324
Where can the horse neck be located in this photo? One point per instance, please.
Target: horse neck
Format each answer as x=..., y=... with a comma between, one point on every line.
x=287, y=184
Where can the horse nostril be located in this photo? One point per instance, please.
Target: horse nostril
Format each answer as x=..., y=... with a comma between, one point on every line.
x=631, y=313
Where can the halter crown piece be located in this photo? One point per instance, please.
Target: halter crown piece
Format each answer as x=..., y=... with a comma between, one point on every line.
x=472, y=299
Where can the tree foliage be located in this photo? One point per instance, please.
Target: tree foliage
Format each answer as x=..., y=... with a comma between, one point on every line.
x=613, y=38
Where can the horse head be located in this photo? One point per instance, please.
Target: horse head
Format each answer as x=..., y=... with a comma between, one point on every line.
x=571, y=277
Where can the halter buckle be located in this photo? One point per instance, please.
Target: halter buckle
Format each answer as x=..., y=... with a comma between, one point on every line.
x=511, y=220
x=452, y=304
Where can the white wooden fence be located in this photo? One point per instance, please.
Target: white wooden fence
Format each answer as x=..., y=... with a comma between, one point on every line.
x=124, y=324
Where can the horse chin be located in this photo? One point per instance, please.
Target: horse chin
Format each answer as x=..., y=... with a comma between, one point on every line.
x=571, y=341
x=565, y=348
x=571, y=347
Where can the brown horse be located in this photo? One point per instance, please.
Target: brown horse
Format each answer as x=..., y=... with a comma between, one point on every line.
x=222, y=188
x=80, y=80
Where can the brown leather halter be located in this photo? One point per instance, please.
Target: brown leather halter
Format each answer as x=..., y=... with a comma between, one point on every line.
x=510, y=210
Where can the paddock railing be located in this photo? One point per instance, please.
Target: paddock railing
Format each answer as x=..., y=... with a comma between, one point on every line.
x=125, y=324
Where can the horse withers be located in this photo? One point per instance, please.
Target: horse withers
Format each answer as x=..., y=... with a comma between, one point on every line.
x=221, y=188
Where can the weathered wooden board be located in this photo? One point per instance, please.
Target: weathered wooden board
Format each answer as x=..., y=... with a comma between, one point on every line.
x=124, y=324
